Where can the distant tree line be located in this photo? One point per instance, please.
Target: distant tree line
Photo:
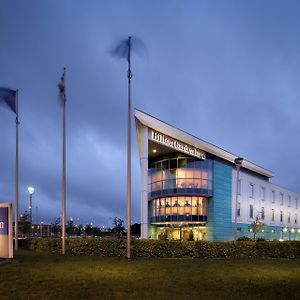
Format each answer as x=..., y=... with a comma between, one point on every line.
x=73, y=230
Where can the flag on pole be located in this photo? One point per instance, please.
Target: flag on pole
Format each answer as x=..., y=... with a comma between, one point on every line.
x=124, y=47
x=61, y=87
x=62, y=97
x=8, y=97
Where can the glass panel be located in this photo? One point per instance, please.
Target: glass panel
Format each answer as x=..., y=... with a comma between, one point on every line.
x=190, y=163
x=173, y=163
x=165, y=164
x=182, y=163
x=187, y=205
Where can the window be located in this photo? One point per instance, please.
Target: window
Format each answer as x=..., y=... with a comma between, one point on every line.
x=273, y=196
x=296, y=221
x=289, y=217
x=281, y=216
x=239, y=186
x=251, y=211
x=262, y=193
x=272, y=215
x=251, y=191
x=262, y=213
x=290, y=200
x=238, y=210
x=281, y=198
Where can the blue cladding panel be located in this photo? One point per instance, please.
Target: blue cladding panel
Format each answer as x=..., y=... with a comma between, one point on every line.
x=219, y=226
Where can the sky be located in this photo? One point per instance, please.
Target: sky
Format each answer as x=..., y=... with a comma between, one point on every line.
x=227, y=72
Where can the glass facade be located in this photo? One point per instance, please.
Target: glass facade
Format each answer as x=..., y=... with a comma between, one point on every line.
x=180, y=176
x=178, y=189
x=178, y=209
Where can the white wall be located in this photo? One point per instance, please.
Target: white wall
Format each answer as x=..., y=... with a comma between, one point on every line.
x=257, y=202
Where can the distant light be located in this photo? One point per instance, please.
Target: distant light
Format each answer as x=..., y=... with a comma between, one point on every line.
x=91, y=223
x=71, y=219
x=280, y=240
x=292, y=230
x=298, y=230
x=154, y=150
x=30, y=190
x=285, y=229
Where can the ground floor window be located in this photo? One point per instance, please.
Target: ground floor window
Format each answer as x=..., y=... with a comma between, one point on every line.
x=180, y=232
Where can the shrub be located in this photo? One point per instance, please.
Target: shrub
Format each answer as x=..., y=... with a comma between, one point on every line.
x=244, y=238
x=165, y=249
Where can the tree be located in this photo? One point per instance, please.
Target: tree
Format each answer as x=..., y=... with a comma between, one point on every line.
x=56, y=226
x=136, y=229
x=257, y=226
x=88, y=229
x=70, y=228
x=24, y=223
x=118, y=228
x=78, y=229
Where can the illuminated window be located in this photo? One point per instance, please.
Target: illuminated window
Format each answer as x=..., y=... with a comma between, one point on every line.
x=289, y=217
x=272, y=215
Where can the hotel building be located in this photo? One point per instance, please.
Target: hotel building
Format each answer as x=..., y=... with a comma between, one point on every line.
x=189, y=187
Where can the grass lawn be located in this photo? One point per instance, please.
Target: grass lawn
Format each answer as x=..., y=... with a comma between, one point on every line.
x=42, y=276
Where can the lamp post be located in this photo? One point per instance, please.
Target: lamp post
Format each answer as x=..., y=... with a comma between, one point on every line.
x=238, y=163
x=30, y=191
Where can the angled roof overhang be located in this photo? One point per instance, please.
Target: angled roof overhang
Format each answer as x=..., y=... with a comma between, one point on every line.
x=180, y=135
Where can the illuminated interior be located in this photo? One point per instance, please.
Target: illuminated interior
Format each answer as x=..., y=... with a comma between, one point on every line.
x=178, y=190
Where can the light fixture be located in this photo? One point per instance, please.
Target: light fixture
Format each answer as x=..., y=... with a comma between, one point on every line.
x=30, y=190
x=238, y=161
x=154, y=150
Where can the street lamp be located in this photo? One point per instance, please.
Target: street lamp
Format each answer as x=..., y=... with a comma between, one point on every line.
x=238, y=163
x=30, y=191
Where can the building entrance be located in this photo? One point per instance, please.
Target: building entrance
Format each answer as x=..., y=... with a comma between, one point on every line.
x=180, y=232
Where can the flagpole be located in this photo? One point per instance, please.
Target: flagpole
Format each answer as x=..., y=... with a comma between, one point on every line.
x=129, y=75
x=64, y=173
x=17, y=173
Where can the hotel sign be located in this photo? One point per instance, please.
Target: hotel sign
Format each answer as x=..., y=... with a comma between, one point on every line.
x=6, y=231
x=177, y=145
x=3, y=220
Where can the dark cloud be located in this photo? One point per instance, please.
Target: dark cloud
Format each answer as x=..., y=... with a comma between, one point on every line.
x=226, y=71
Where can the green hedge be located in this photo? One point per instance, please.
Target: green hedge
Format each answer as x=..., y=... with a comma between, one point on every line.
x=164, y=249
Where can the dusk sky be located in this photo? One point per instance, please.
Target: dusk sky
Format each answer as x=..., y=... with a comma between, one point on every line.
x=227, y=72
